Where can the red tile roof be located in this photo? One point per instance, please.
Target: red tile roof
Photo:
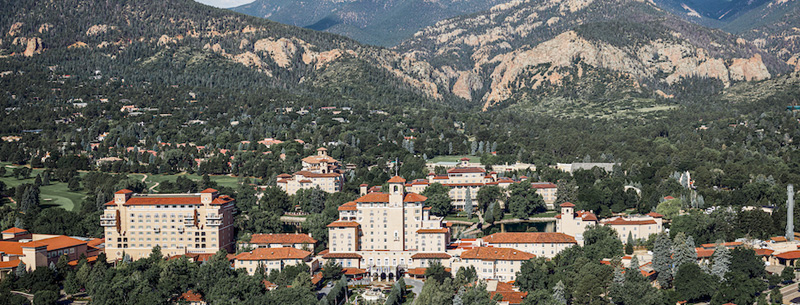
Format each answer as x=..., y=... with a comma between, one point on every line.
x=583, y=215
x=465, y=159
x=432, y=231
x=282, y=239
x=52, y=243
x=397, y=179
x=14, y=230
x=655, y=215
x=512, y=297
x=704, y=253
x=308, y=174
x=123, y=191
x=185, y=200
x=9, y=264
x=778, y=239
x=529, y=238
x=543, y=185
x=284, y=176
x=430, y=256
x=764, y=252
x=95, y=242
x=383, y=197
x=341, y=255
x=339, y=224
x=567, y=205
x=353, y=271
x=90, y=259
x=350, y=206
x=789, y=255
x=465, y=170
x=421, y=271
x=273, y=254
x=496, y=253
x=209, y=190
x=619, y=221
x=191, y=296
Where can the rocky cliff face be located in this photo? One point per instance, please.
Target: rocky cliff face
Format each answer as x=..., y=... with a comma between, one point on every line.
x=488, y=57
x=284, y=53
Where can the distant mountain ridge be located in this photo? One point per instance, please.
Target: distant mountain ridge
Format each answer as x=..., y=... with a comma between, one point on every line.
x=182, y=42
x=519, y=48
x=376, y=22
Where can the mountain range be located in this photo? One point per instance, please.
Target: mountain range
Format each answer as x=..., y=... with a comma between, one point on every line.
x=520, y=50
x=376, y=22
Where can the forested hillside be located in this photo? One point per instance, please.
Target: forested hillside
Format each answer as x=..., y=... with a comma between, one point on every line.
x=180, y=42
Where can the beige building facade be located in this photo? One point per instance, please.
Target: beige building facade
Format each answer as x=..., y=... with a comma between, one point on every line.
x=319, y=171
x=493, y=263
x=178, y=223
x=540, y=244
x=638, y=226
x=381, y=232
x=273, y=259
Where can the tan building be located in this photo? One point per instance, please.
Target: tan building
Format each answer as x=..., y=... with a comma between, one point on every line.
x=295, y=240
x=574, y=223
x=462, y=179
x=179, y=223
x=540, y=244
x=638, y=226
x=273, y=259
x=319, y=170
x=40, y=250
x=493, y=263
x=548, y=191
x=381, y=232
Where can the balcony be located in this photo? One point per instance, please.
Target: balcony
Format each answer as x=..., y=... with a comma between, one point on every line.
x=181, y=229
x=157, y=229
x=213, y=223
x=108, y=223
x=108, y=217
x=214, y=216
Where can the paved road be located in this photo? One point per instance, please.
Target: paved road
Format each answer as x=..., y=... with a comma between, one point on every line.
x=790, y=294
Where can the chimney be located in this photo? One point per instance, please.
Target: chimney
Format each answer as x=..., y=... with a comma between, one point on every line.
x=790, y=213
x=362, y=189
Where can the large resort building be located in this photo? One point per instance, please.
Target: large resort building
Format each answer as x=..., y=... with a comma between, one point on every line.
x=178, y=223
x=386, y=232
x=466, y=179
x=319, y=171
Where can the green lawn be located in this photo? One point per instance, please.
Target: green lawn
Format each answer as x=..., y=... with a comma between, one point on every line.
x=55, y=194
x=461, y=218
x=222, y=180
x=472, y=159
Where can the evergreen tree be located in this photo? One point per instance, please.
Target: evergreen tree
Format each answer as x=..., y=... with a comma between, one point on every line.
x=629, y=244
x=21, y=269
x=775, y=295
x=559, y=293
x=468, y=204
x=720, y=261
x=662, y=259
x=682, y=254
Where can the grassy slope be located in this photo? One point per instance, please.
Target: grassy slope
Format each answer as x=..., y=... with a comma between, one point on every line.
x=57, y=194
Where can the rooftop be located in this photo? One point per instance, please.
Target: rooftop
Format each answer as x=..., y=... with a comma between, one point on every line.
x=529, y=238
x=495, y=253
x=282, y=239
x=273, y=254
